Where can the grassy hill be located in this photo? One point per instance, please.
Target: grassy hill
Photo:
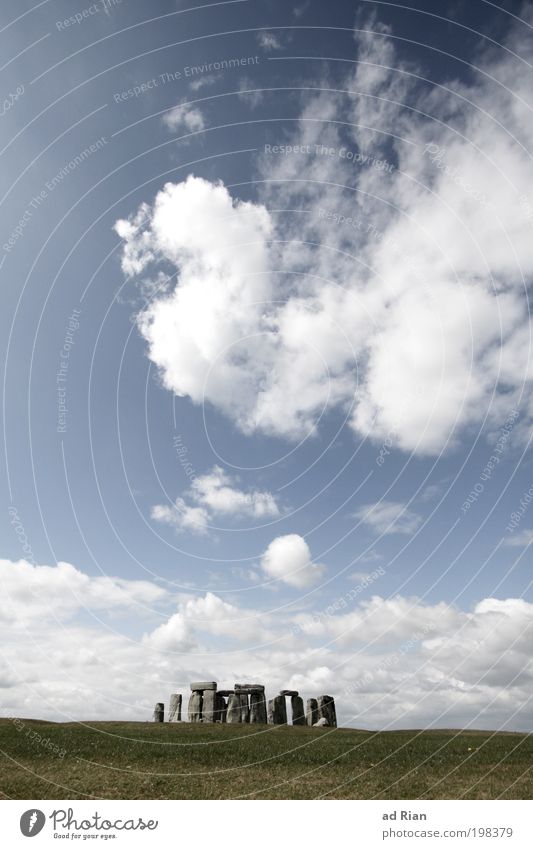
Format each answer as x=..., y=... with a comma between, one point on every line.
x=115, y=760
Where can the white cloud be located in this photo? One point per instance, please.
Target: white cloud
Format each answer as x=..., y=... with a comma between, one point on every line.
x=298, y=11
x=371, y=556
x=389, y=517
x=249, y=93
x=521, y=540
x=182, y=516
x=184, y=116
x=419, y=279
x=215, y=494
x=288, y=559
x=33, y=592
x=201, y=82
x=389, y=662
x=268, y=41
x=211, y=615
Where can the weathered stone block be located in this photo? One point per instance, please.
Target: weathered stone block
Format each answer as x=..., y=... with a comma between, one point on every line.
x=247, y=691
x=195, y=707
x=270, y=712
x=234, y=712
x=220, y=708
x=203, y=685
x=326, y=710
x=174, y=708
x=209, y=705
x=312, y=711
x=225, y=693
x=250, y=687
x=159, y=712
x=279, y=711
x=258, y=712
x=321, y=723
x=245, y=710
x=297, y=710
x=288, y=692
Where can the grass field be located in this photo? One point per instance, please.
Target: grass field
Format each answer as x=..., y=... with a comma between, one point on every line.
x=128, y=760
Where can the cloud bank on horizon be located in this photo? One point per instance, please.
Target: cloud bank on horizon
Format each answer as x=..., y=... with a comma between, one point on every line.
x=389, y=661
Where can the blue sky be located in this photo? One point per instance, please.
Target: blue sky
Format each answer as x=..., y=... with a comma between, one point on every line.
x=273, y=259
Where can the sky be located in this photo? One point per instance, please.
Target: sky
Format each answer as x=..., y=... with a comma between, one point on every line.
x=266, y=351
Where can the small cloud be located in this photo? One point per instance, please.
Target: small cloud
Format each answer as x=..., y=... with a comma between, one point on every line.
x=521, y=540
x=245, y=574
x=182, y=517
x=215, y=494
x=184, y=116
x=209, y=79
x=248, y=94
x=288, y=559
x=431, y=492
x=298, y=11
x=370, y=557
x=268, y=41
x=389, y=517
x=364, y=576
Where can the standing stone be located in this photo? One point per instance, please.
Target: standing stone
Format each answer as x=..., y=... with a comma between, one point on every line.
x=209, y=705
x=297, y=710
x=270, y=712
x=326, y=710
x=220, y=708
x=279, y=711
x=195, y=707
x=159, y=712
x=312, y=711
x=234, y=711
x=245, y=710
x=174, y=708
x=258, y=711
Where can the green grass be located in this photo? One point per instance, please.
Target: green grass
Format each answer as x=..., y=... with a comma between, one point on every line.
x=129, y=760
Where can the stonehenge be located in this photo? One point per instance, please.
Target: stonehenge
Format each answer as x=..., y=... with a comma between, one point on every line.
x=326, y=710
x=174, y=708
x=245, y=710
x=246, y=703
x=209, y=705
x=258, y=712
x=278, y=711
x=234, y=709
x=195, y=707
x=311, y=713
x=297, y=708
